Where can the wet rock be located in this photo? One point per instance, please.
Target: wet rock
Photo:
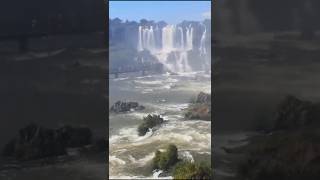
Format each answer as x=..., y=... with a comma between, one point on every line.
x=203, y=98
x=120, y=106
x=200, y=107
x=202, y=112
x=149, y=122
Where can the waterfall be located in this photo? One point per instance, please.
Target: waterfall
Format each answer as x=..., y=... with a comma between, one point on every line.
x=168, y=33
x=183, y=60
x=202, y=48
x=189, y=38
x=172, y=41
x=140, y=48
x=181, y=38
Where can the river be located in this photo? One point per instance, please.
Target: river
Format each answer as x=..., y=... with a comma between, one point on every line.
x=130, y=155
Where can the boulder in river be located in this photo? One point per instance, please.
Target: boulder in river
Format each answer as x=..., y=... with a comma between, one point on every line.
x=203, y=98
x=120, y=106
x=149, y=122
x=200, y=107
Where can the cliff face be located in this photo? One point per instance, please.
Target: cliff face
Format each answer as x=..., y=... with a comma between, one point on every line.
x=126, y=32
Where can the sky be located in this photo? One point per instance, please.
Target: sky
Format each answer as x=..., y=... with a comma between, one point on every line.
x=172, y=12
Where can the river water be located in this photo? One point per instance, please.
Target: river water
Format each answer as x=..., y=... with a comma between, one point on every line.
x=130, y=155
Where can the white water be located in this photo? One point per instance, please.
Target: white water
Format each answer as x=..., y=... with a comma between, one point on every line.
x=202, y=48
x=175, y=40
x=131, y=154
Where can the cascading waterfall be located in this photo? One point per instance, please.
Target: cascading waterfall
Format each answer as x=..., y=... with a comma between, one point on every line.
x=189, y=38
x=168, y=33
x=140, y=47
x=202, y=48
x=181, y=38
x=170, y=41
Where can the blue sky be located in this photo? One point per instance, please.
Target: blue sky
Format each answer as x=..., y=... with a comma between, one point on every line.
x=172, y=12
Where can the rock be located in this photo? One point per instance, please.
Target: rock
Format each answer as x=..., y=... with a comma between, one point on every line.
x=120, y=106
x=34, y=142
x=199, y=111
x=203, y=98
x=165, y=160
x=200, y=107
x=149, y=122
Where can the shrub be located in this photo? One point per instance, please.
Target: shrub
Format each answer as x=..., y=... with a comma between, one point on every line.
x=149, y=122
x=189, y=170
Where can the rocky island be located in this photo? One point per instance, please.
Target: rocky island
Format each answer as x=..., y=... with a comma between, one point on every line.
x=149, y=122
x=200, y=107
x=120, y=106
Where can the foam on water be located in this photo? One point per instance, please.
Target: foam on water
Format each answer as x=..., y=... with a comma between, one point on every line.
x=191, y=137
x=155, y=82
x=116, y=160
x=142, y=161
x=187, y=156
x=120, y=79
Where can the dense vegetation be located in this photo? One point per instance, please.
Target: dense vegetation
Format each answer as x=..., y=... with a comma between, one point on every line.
x=189, y=170
x=168, y=161
x=165, y=160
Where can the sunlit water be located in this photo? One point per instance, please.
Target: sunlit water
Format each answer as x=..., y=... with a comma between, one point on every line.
x=130, y=155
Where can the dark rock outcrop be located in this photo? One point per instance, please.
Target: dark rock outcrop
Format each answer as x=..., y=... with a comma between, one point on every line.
x=120, y=106
x=200, y=107
x=149, y=122
x=34, y=142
